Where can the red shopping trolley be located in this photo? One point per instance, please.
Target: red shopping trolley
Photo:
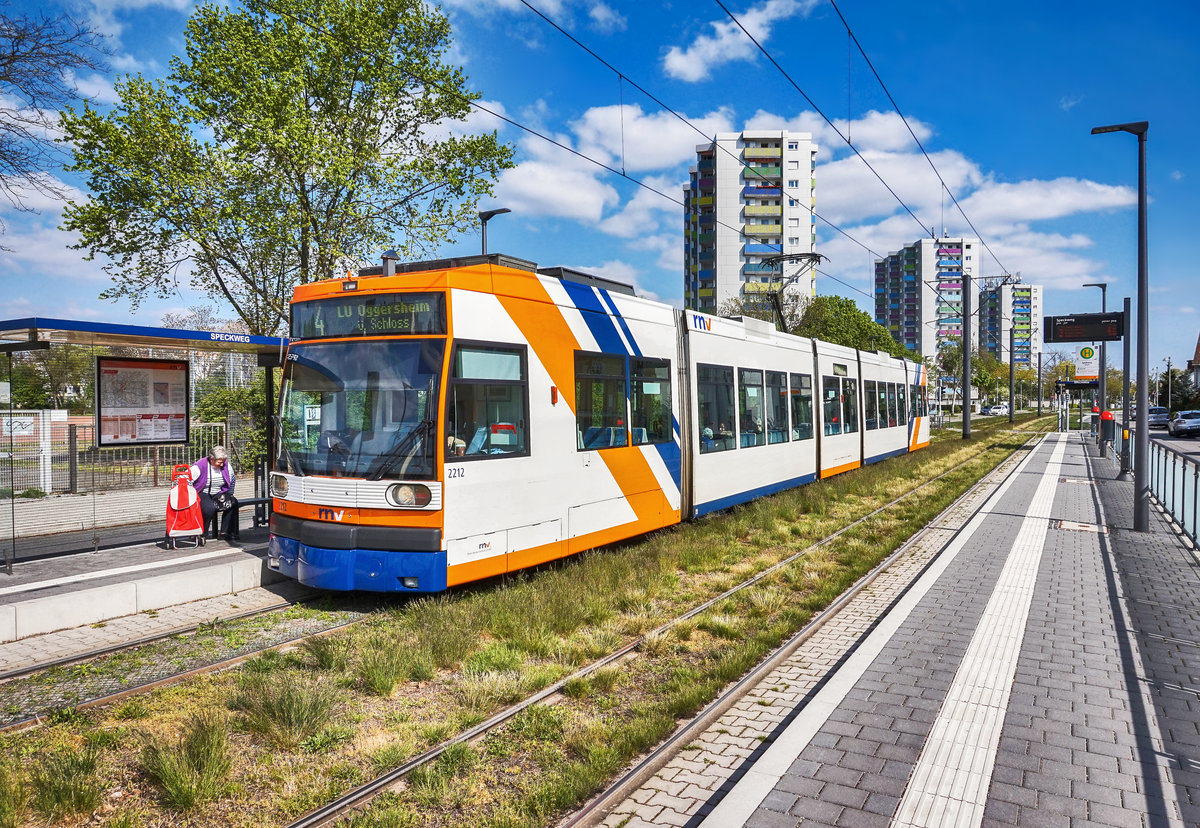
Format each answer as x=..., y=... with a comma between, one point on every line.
x=185, y=521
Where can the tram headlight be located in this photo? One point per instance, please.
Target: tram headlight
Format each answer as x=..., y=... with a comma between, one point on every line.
x=411, y=495
x=279, y=485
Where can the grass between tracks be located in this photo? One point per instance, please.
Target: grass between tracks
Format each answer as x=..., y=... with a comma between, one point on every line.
x=284, y=733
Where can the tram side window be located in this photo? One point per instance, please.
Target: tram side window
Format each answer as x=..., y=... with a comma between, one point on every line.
x=849, y=405
x=802, y=407
x=650, y=400
x=714, y=396
x=777, y=407
x=832, y=404
x=600, y=414
x=871, y=415
x=883, y=406
x=891, y=390
x=901, y=404
x=918, y=402
x=486, y=411
x=750, y=404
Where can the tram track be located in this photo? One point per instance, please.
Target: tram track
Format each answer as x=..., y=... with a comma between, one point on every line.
x=357, y=798
x=38, y=712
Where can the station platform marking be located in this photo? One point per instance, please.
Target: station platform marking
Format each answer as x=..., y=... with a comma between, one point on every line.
x=745, y=797
x=949, y=783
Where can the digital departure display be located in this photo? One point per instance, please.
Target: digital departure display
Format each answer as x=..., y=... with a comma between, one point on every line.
x=1086, y=327
x=381, y=314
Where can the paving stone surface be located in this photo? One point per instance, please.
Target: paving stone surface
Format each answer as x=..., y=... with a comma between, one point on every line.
x=1101, y=725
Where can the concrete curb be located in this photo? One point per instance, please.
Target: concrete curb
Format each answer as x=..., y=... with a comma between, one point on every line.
x=81, y=608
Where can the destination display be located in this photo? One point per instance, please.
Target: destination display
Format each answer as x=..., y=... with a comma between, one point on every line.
x=141, y=401
x=1085, y=327
x=384, y=314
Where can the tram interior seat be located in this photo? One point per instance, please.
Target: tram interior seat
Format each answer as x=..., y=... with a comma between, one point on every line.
x=476, y=444
x=639, y=436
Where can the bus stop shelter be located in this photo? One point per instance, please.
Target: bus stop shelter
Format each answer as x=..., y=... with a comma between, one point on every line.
x=64, y=485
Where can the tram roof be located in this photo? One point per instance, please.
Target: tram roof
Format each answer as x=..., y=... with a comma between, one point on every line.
x=565, y=274
x=35, y=329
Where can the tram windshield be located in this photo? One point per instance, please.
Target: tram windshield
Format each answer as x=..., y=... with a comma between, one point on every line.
x=361, y=409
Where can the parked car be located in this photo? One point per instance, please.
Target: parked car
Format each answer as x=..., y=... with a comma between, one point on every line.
x=999, y=408
x=1156, y=415
x=1184, y=424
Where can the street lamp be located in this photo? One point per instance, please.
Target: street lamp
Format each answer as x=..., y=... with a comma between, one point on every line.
x=1103, y=362
x=484, y=217
x=1141, y=449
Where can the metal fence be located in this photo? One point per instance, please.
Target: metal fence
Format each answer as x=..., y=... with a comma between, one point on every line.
x=64, y=458
x=1174, y=481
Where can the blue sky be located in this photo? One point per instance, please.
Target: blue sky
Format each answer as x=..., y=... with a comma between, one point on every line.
x=1002, y=97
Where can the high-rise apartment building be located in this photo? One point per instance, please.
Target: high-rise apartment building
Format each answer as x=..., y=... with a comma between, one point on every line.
x=748, y=201
x=1014, y=307
x=919, y=291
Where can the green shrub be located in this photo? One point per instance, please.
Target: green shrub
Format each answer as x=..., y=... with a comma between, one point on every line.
x=66, y=783
x=327, y=652
x=195, y=768
x=283, y=708
x=14, y=796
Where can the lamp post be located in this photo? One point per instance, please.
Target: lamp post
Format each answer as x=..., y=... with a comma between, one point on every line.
x=1141, y=448
x=1168, y=361
x=1125, y=395
x=1103, y=363
x=484, y=217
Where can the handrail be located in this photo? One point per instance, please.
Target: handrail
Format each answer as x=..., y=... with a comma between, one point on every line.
x=1175, y=484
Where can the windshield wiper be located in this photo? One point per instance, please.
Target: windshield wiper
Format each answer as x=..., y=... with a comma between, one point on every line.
x=400, y=450
x=289, y=458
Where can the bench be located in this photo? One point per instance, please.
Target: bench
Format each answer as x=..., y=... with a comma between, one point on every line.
x=262, y=515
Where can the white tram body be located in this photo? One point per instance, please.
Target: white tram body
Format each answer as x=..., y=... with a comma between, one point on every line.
x=461, y=419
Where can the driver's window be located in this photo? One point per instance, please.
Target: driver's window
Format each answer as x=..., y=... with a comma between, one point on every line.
x=486, y=410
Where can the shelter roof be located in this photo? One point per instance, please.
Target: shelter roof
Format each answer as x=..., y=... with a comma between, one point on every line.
x=78, y=331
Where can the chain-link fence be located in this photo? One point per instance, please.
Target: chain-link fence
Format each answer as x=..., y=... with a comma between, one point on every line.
x=63, y=458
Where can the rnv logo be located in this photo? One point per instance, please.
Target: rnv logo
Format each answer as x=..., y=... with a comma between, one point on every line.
x=329, y=514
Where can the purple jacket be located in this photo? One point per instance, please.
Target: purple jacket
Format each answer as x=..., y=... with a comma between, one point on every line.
x=199, y=474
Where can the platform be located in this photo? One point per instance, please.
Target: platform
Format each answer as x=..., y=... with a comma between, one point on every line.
x=1039, y=666
x=66, y=592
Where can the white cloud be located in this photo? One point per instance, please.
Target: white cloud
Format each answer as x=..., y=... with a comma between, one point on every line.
x=103, y=14
x=555, y=184
x=605, y=19
x=641, y=214
x=1068, y=102
x=41, y=198
x=728, y=42
x=626, y=138
x=883, y=131
x=476, y=122
x=95, y=88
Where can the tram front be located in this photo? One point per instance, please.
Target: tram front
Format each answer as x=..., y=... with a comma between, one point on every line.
x=356, y=484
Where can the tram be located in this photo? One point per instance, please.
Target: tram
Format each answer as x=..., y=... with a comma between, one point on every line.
x=442, y=422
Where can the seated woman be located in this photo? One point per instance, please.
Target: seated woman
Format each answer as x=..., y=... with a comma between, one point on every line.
x=214, y=481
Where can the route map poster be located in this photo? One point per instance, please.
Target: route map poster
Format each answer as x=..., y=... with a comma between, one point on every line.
x=141, y=401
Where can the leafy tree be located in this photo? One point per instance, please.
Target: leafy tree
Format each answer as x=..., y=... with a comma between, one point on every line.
x=39, y=54
x=28, y=387
x=838, y=320
x=61, y=377
x=295, y=137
